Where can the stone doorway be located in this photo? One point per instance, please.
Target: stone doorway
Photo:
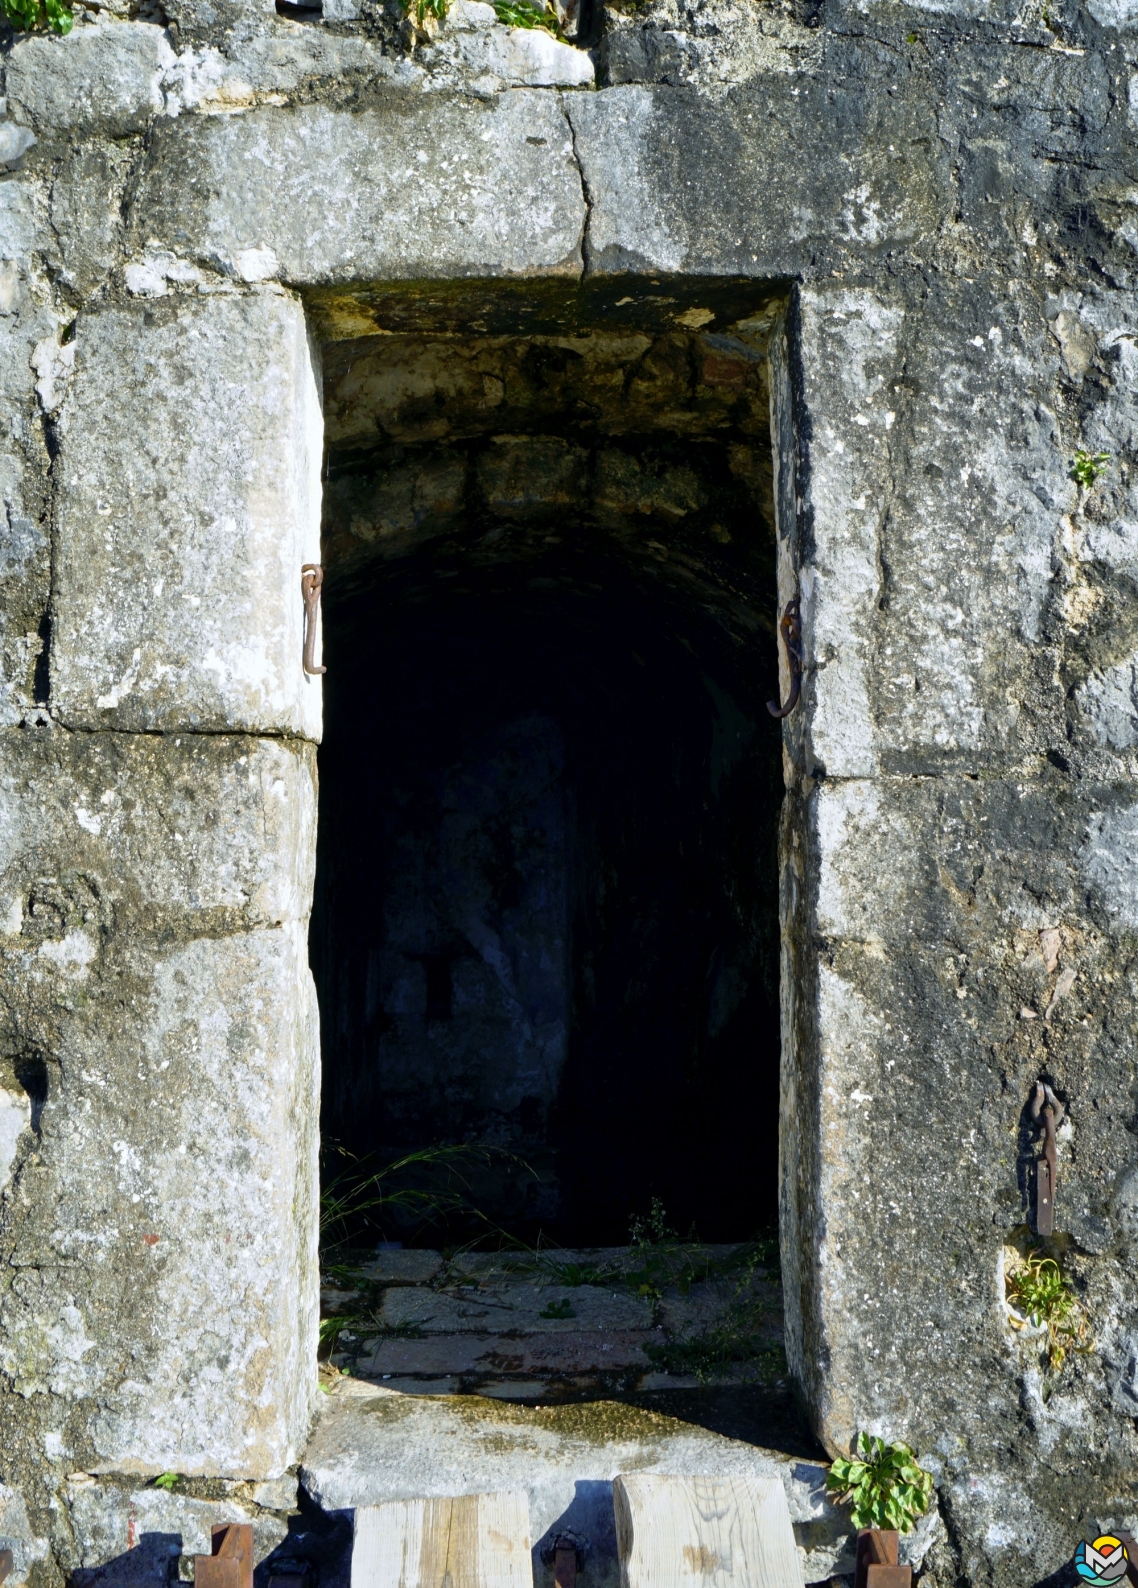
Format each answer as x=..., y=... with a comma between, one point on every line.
x=545, y=934
x=546, y=912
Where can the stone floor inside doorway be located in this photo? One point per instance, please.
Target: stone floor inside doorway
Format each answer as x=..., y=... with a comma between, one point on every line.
x=692, y=1331
x=552, y=1371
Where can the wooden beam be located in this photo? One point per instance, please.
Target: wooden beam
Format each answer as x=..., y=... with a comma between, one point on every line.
x=472, y=1541
x=713, y=1532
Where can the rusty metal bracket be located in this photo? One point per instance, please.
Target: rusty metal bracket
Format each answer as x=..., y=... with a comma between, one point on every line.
x=231, y=1563
x=566, y=1553
x=790, y=627
x=311, y=579
x=1047, y=1111
x=876, y=1560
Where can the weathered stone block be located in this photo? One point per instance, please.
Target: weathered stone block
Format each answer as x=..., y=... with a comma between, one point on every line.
x=921, y=1002
x=185, y=516
x=106, y=76
x=926, y=532
x=371, y=1445
x=158, y=1310
x=109, y=1519
x=422, y=188
x=772, y=205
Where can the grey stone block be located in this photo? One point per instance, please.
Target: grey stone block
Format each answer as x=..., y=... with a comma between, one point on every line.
x=105, y=76
x=421, y=188
x=505, y=1308
x=156, y=1009
x=166, y=1213
x=190, y=833
x=926, y=535
x=110, y=1518
x=185, y=516
x=770, y=206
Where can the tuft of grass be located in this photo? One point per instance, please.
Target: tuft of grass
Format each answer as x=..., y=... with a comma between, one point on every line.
x=1087, y=466
x=884, y=1485
x=1038, y=1289
x=360, y=1198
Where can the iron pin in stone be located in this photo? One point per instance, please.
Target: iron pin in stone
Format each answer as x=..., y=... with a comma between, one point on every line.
x=311, y=579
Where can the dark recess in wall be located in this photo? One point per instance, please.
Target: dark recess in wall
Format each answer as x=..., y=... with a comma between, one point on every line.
x=546, y=915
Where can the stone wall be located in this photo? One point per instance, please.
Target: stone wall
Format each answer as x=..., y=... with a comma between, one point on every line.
x=946, y=193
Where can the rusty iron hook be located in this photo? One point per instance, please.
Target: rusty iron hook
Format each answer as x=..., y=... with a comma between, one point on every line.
x=790, y=627
x=311, y=578
x=1048, y=1111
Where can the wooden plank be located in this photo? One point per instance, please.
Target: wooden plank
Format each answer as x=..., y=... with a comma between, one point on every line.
x=714, y=1532
x=468, y=1541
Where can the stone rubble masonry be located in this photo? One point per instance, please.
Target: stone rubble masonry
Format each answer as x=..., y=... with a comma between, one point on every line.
x=948, y=194
x=184, y=517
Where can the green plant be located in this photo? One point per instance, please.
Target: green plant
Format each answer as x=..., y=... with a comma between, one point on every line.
x=1087, y=466
x=422, y=9
x=884, y=1485
x=527, y=14
x=1038, y=1288
x=27, y=14
x=168, y=1481
x=741, y=1336
x=558, y=1309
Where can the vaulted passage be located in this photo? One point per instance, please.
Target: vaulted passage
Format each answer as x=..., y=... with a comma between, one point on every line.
x=546, y=923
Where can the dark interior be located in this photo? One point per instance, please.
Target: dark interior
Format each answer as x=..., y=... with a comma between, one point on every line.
x=545, y=935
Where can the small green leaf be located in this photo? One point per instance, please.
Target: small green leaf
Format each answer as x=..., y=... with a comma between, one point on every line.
x=168, y=1481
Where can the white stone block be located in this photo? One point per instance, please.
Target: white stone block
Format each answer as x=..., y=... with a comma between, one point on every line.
x=189, y=499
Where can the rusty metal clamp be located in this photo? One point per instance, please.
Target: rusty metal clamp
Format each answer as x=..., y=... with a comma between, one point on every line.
x=790, y=627
x=311, y=578
x=1047, y=1110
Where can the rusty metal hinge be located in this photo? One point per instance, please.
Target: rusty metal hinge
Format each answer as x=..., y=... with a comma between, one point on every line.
x=311, y=578
x=790, y=627
x=1047, y=1110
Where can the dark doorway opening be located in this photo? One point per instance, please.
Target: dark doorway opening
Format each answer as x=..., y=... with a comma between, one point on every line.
x=545, y=936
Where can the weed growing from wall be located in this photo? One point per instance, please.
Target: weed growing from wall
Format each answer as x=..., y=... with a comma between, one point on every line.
x=1042, y=1295
x=28, y=14
x=1087, y=466
x=884, y=1485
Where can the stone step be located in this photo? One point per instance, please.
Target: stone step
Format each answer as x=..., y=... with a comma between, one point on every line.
x=372, y=1445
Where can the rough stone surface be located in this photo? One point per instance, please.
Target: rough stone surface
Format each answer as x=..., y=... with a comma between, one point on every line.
x=106, y=76
x=433, y=187
x=158, y=1016
x=113, y=1520
x=206, y=497
x=947, y=194
x=372, y=1445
